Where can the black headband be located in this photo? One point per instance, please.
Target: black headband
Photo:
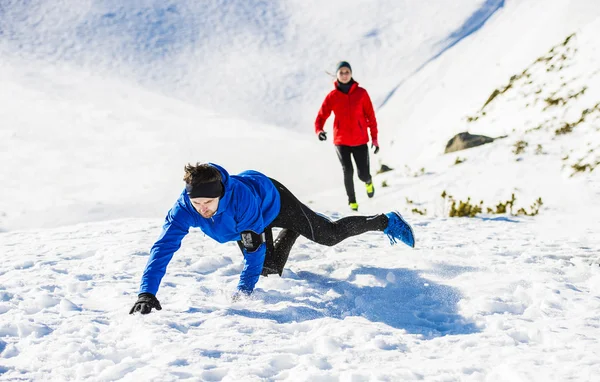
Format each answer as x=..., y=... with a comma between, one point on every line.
x=212, y=189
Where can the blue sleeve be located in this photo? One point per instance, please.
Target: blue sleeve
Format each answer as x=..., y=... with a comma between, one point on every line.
x=249, y=218
x=253, y=265
x=176, y=226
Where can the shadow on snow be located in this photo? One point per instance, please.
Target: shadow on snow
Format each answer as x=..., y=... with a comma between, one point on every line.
x=408, y=302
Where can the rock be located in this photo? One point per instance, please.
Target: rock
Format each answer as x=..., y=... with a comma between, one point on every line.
x=462, y=141
x=384, y=168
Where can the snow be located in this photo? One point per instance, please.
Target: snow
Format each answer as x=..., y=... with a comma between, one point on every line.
x=468, y=304
x=95, y=128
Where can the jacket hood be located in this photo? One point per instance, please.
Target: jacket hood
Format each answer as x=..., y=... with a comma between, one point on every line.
x=224, y=174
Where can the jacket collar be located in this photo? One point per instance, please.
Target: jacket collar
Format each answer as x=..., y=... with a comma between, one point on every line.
x=352, y=87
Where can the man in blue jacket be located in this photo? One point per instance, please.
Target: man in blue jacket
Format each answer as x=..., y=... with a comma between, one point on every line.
x=245, y=208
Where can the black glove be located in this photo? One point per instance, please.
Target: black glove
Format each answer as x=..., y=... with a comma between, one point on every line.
x=145, y=303
x=376, y=148
x=322, y=136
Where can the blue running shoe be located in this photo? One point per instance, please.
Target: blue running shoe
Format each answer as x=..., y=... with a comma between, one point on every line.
x=398, y=228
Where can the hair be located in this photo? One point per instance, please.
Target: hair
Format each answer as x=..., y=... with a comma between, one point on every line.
x=200, y=173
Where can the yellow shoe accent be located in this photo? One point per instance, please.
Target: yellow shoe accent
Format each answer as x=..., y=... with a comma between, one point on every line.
x=354, y=206
x=370, y=189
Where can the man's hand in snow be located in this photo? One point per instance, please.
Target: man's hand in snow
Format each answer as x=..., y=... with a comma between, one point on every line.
x=145, y=303
x=239, y=295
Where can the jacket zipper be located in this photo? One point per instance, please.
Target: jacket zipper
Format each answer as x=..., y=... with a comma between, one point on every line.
x=349, y=108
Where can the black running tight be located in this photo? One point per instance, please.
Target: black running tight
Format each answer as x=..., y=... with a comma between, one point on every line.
x=361, y=158
x=297, y=219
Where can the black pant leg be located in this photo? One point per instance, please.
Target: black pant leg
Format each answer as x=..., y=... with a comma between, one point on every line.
x=345, y=156
x=282, y=247
x=361, y=158
x=298, y=218
x=270, y=265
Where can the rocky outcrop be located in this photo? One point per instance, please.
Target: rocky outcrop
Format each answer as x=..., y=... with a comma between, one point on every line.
x=462, y=141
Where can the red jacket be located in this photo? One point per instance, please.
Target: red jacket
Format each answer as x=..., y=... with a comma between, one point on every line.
x=353, y=115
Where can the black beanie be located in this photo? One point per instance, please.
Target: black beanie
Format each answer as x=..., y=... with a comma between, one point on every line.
x=343, y=64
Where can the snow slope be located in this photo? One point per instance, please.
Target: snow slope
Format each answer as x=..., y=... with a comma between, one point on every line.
x=490, y=298
x=88, y=148
x=479, y=299
x=105, y=90
x=213, y=53
x=434, y=103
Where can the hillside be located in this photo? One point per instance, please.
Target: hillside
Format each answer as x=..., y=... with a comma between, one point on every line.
x=548, y=115
x=104, y=102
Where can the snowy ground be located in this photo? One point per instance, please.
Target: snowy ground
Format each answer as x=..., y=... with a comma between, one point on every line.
x=91, y=162
x=479, y=299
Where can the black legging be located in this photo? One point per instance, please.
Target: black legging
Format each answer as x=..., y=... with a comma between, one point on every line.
x=296, y=219
x=361, y=158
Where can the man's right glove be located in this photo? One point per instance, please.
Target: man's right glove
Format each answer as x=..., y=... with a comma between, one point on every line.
x=322, y=136
x=145, y=303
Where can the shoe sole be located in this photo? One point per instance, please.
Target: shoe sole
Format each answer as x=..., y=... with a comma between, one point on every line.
x=409, y=227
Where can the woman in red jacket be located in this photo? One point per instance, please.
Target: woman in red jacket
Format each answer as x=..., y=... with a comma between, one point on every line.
x=354, y=114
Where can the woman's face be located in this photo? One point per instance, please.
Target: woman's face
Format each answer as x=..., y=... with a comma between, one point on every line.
x=344, y=75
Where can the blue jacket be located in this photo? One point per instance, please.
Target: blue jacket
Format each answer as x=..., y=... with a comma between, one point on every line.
x=250, y=203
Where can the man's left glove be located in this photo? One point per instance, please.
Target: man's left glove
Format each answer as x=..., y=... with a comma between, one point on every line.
x=145, y=303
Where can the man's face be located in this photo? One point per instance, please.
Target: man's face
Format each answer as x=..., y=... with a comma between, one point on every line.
x=206, y=207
